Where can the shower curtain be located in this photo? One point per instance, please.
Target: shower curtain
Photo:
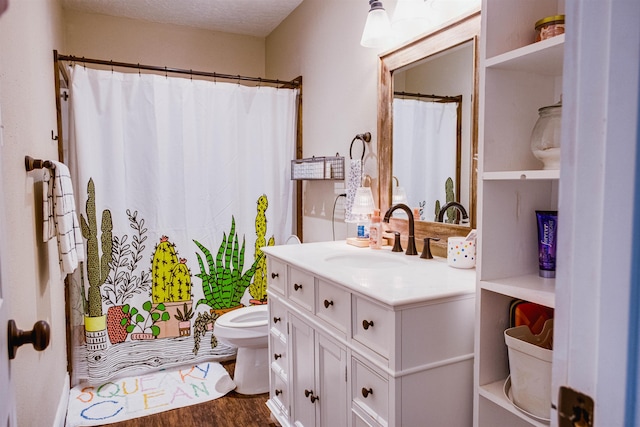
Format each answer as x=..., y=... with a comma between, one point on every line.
x=425, y=152
x=179, y=183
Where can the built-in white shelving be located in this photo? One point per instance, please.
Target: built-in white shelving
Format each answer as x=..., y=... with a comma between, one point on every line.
x=517, y=77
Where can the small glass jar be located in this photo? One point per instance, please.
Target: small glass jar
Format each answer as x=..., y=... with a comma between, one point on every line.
x=545, y=136
x=550, y=26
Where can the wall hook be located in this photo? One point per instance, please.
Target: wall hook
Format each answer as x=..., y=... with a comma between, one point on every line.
x=53, y=136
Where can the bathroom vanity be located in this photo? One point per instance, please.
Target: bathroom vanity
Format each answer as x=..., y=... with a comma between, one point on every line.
x=361, y=337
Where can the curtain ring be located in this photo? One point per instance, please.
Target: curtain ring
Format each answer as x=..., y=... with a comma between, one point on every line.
x=111, y=61
x=165, y=72
x=191, y=74
x=364, y=137
x=139, y=70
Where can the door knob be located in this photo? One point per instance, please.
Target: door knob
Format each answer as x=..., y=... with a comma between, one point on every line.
x=39, y=336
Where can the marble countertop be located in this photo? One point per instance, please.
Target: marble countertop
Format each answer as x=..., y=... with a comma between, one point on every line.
x=392, y=278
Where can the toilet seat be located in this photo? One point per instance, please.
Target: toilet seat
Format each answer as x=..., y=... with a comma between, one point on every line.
x=243, y=327
x=245, y=317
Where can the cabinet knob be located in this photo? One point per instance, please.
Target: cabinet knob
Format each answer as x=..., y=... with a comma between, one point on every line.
x=366, y=324
x=277, y=356
x=327, y=303
x=276, y=319
x=311, y=396
x=274, y=275
x=39, y=336
x=278, y=392
x=297, y=287
x=366, y=392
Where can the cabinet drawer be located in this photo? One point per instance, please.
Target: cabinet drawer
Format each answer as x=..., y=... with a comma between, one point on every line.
x=373, y=326
x=279, y=394
x=278, y=355
x=301, y=288
x=370, y=391
x=333, y=305
x=277, y=317
x=276, y=273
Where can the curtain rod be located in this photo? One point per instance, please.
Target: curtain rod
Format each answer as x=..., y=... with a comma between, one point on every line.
x=295, y=83
x=457, y=98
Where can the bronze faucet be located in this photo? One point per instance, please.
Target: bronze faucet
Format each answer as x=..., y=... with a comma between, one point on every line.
x=411, y=246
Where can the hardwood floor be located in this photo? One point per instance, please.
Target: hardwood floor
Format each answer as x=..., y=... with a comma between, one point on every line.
x=231, y=410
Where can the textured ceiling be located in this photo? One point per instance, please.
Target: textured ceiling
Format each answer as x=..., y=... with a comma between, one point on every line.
x=250, y=17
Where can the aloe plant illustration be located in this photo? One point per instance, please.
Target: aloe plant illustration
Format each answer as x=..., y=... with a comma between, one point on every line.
x=224, y=283
x=258, y=288
x=98, y=266
x=170, y=276
x=145, y=323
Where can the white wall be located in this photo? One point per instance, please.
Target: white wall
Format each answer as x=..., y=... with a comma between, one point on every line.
x=29, y=31
x=128, y=40
x=320, y=40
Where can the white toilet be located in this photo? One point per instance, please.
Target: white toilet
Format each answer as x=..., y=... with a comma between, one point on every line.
x=246, y=329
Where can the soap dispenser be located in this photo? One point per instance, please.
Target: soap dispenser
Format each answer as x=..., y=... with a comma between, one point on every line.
x=375, y=230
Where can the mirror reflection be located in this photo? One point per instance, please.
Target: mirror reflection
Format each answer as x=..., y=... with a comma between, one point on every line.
x=428, y=101
x=432, y=133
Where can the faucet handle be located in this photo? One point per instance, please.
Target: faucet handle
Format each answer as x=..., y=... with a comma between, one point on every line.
x=426, y=249
x=397, y=247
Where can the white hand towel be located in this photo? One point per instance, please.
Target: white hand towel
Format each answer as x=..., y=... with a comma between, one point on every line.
x=354, y=180
x=60, y=219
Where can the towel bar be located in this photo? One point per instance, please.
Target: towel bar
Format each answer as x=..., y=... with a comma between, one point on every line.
x=30, y=163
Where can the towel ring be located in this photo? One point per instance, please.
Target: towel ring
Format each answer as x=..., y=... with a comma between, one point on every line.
x=364, y=137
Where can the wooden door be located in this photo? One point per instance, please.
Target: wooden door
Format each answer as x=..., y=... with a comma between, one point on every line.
x=7, y=404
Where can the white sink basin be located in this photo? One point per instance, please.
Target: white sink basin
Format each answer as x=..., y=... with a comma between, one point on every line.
x=367, y=260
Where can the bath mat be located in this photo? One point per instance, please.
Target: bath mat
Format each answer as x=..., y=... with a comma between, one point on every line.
x=150, y=393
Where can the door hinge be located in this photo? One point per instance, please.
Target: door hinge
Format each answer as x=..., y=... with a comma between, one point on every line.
x=345, y=374
x=574, y=408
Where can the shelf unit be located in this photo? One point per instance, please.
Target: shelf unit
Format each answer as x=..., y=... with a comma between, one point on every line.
x=517, y=77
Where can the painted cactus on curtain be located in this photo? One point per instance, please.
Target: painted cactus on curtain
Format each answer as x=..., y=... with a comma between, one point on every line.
x=98, y=265
x=171, y=278
x=258, y=288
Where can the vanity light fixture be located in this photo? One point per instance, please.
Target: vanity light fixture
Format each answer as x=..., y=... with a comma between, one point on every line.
x=399, y=195
x=377, y=29
x=363, y=204
x=410, y=18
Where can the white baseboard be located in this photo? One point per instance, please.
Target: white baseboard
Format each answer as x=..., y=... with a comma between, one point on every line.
x=63, y=403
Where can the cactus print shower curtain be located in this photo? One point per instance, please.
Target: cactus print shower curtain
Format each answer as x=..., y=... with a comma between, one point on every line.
x=178, y=185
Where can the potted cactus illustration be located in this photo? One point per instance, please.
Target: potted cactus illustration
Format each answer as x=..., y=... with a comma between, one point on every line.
x=258, y=288
x=125, y=279
x=224, y=282
x=98, y=266
x=170, y=284
x=145, y=323
x=184, y=317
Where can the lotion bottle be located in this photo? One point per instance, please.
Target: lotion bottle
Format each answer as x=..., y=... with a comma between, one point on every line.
x=375, y=230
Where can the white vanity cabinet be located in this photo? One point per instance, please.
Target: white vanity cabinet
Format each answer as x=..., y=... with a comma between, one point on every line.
x=319, y=377
x=369, y=346
x=517, y=77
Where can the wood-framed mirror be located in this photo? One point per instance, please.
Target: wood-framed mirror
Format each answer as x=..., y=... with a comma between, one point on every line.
x=459, y=37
